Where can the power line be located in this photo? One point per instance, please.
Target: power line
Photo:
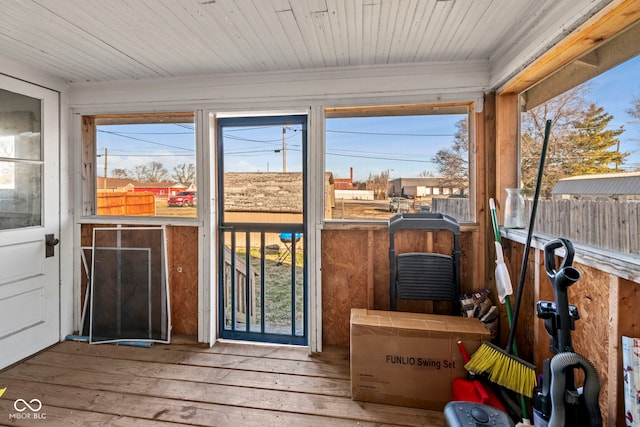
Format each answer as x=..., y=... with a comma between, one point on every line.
x=123, y=135
x=390, y=159
x=150, y=155
x=390, y=134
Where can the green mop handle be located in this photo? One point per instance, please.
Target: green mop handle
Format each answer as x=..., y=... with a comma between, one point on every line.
x=507, y=301
x=496, y=232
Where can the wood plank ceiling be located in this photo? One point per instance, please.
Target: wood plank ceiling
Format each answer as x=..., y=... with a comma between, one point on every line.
x=98, y=40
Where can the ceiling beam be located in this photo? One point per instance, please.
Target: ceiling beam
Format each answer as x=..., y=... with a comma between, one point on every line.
x=603, y=26
x=616, y=51
x=398, y=110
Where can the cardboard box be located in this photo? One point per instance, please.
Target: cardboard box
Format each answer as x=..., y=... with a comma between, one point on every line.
x=409, y=359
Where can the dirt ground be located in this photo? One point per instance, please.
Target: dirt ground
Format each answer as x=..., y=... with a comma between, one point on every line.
x=344, y=209
x=371, y=209
x=163, y=209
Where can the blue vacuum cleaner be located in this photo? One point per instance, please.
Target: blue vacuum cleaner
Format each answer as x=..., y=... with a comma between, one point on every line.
x=557, y=402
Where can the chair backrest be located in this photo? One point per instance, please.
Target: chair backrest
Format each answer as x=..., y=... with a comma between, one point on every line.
x=423, y=275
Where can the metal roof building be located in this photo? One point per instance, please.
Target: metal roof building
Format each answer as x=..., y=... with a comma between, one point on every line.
x=620, y=186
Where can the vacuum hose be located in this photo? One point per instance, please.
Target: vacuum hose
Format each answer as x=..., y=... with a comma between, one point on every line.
x=559, y=363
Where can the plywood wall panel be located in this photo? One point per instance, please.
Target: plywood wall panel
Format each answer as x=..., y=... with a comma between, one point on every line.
x=591, y=337
x=182, y=257
x=351, y=256
x=381, y=270
x=344, y=281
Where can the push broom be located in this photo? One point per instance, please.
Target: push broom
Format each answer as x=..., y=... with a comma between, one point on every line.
x=502, y=366
x=504, y=290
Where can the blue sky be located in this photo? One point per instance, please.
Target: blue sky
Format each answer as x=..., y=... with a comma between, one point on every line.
x=260, y=149
x=131, y=145
x=614, y=91
x=404, y=146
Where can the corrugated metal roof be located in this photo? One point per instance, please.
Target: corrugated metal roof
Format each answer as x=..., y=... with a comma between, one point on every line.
x=603, y=184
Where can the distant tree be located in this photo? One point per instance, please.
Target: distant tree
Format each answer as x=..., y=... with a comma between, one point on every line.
x=151, y=172
x=360, y=185
x=634, y=111
x=120, y=173
x=578, y=143
x=592, y=144
x=426, y=174
x=379, y=184
x=184, y=174
x=453, y=162
x=562, y=110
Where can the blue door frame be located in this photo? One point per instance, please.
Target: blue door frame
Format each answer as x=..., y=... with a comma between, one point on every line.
x=247, y=263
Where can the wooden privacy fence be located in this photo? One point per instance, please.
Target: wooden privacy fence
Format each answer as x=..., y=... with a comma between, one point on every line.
x=455, y=207
x=126, y=203
x=609, y=224
x=606, y=224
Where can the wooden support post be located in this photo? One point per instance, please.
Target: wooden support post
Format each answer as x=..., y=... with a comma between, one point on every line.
x=370, y=270
x=88, y=165
x=507, y=146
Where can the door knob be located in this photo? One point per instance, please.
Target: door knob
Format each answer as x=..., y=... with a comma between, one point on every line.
x=50, y=242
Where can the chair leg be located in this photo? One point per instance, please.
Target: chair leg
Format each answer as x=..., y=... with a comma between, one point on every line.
x=284, y=255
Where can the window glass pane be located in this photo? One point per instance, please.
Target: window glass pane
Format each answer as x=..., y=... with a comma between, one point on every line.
x=591, y=183
x=379, y=166
x=20, y=195
x=147, y=168
x=20, y=161
x=263, y=173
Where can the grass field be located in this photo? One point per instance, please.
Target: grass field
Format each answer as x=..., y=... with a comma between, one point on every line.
x=277, y=292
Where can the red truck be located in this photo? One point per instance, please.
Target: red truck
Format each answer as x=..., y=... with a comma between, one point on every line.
x=183, y=198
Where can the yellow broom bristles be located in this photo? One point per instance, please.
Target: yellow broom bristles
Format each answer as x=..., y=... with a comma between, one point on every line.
x=503, y=369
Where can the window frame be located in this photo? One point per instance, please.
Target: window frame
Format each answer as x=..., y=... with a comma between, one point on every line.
x=87, y=190
x=471, y=108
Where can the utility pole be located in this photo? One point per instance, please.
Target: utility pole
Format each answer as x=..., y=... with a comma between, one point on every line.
x=104, y=184
x=284, y=149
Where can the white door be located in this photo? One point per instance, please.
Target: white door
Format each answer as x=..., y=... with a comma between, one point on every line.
x=29, y=210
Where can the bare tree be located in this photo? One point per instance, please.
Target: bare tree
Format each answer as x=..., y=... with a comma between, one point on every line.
x=151, y=172
x=185, y=174
x=453, y=162
x=562, y=110
x=120, y=173
x=379, y=184
x=634, y=111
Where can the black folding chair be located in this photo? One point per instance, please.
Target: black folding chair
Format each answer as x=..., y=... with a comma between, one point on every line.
x=423, y=275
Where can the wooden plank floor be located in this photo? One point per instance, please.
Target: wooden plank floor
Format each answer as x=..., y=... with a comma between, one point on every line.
x=231, y=384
